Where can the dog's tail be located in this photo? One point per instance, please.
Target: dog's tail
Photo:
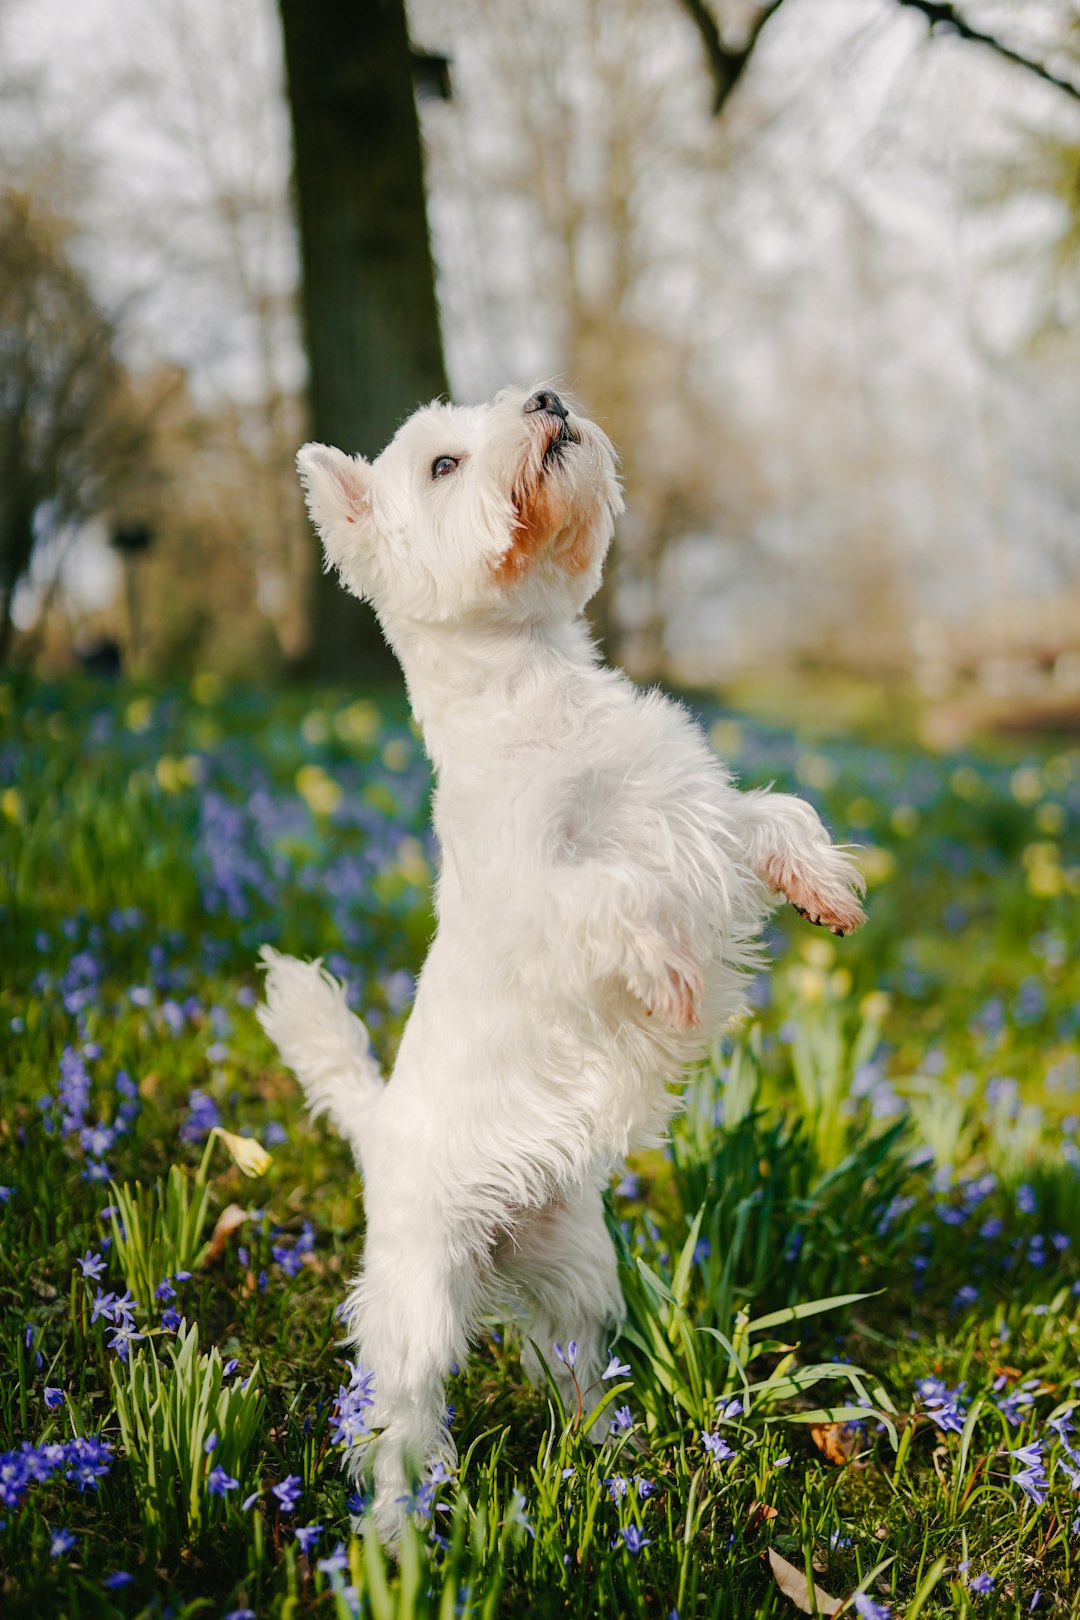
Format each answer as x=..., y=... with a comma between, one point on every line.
x=325, y=1045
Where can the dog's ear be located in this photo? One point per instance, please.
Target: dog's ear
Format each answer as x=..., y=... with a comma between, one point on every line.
x=337, y=489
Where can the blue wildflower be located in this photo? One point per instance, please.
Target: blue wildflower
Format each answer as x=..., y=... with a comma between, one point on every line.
x=633, y=1539
x=336, y=1563
x=1032, y=1477
x=202, y=1117
x=869, y=1610
x=307, y=1535
x=218, y=1481
x=288, y=1492
x=717, y=1446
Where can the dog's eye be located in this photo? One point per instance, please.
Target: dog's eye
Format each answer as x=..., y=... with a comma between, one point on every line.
x=443, y=466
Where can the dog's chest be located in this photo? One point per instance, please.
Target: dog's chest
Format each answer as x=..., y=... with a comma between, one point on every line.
x=508, y=826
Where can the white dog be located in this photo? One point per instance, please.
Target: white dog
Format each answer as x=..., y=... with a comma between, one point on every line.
x=603, y=887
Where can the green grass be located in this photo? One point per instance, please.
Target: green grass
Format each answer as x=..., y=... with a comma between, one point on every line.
x=870, y=1204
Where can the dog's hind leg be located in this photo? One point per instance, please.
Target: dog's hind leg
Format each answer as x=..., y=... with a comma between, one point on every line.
x=410, y=1315
x=560, y=1264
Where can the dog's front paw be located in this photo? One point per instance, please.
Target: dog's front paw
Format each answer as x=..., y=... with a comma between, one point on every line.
x=828, y=899
x=669, y=985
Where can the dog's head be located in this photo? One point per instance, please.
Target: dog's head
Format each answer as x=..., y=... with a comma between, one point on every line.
x=500, y=508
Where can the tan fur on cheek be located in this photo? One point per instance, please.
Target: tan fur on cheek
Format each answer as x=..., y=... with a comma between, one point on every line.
x=546, y=525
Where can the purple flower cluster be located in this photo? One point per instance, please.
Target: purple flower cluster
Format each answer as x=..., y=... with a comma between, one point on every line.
x=1013, y=1405
x=869, y=1610
x=288, y=1492
x=202, y=1117
x=717, y=1446
x=290, y=1256
x=166, y=1292
x=70, y=1111
x=84, y=1461
x=355, y=1399
x=942, y=1404
x=232, y=874
x=632, y=1538
x=118, y=1310
x=1031, y=1478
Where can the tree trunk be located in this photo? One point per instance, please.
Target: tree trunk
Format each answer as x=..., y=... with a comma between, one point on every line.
x=370, y=315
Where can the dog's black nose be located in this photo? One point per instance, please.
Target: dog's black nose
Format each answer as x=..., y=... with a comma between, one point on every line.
x=545, y=400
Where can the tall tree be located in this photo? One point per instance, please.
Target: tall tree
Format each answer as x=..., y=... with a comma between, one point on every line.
x=369, y=306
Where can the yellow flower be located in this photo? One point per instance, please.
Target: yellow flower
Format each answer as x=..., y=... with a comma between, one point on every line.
x=726, y=738
x=173, y=774
x=247, y=1154
x=808, y=982
x=1027, y=784
x=875, y=1006
x=905, y=820
x=966, y=782
x=1045, y=880
x=11, y=803
x=1061, y=769
x=396, y=754
x=412, y=862
x=140, y=714
x=319, y=789
x=1050, y=818
x=207, y=687
x=876, y=864
x=818, y=950
x=860, y=812
x=814, y=770
x=315, y=728
x=359, y=723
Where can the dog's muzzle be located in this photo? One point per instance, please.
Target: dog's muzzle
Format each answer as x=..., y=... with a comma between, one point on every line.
x=548, y=404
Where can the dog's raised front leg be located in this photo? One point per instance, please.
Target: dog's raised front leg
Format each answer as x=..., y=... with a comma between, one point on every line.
x=608, y=922
x=791, y=852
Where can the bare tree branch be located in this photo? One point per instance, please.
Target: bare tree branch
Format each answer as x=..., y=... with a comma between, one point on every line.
x=944, y=15
x=725, y=64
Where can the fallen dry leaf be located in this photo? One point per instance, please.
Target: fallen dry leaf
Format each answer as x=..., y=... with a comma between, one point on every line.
x=760, y=1513
x=836, y=1440
x=231, y=1217
x=794, y=1585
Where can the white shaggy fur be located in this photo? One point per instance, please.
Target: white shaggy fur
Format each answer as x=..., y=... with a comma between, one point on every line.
x=602, y=892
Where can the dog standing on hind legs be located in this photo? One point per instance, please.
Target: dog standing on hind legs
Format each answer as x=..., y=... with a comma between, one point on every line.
x=602, y=893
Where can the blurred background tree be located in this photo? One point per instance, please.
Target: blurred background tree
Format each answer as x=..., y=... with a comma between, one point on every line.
x=59, y=381
x=370, y=317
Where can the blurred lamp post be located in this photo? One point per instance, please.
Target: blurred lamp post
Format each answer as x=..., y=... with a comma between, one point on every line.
x=132, y=541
